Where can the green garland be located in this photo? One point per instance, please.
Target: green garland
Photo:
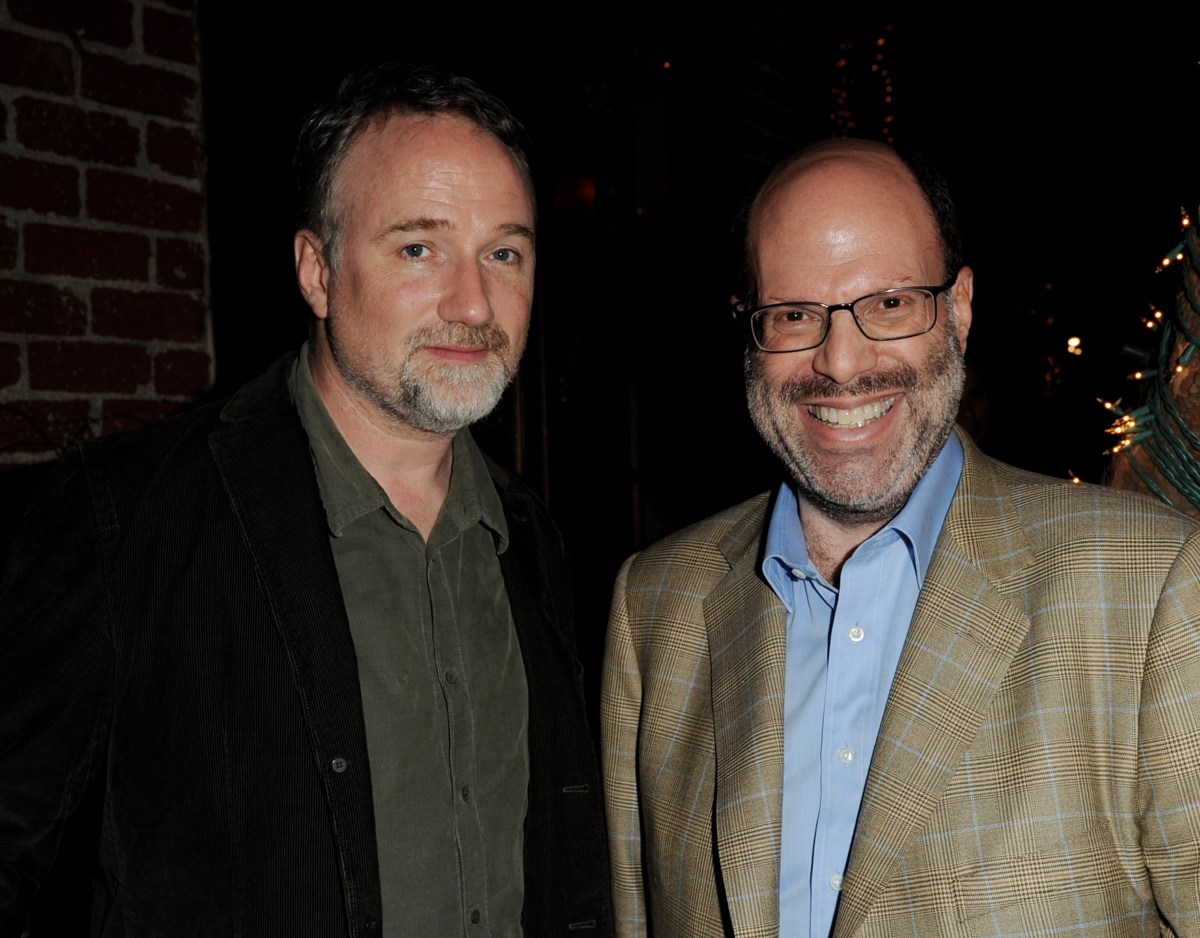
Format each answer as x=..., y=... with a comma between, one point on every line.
x=1161, y=430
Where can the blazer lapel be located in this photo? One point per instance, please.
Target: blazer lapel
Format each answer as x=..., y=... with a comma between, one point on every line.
x=747, y=628
x=962, y=639
x=263, y=458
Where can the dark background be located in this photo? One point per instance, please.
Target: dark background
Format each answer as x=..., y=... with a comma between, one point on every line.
x=1070, y=147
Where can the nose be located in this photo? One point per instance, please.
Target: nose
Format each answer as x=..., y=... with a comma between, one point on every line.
x=465, y=297
x=846, y=353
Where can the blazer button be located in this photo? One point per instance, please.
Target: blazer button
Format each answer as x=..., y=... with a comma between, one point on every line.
x=339, y=765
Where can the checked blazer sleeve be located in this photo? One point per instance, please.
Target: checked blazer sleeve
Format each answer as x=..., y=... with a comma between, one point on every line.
x=693, y=772
x=622, y=700
x=1037, y=770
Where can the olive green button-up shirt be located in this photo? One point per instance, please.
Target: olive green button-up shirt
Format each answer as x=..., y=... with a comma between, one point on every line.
x=443, y=687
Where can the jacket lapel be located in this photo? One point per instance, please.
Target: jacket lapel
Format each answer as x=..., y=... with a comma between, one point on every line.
x=262, y=455
x=747, y=628
x=961, y=642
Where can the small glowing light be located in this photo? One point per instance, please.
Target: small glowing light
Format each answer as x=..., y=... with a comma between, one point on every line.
x=1179, y=369
x=1166, y=262
x=1074, y=478
x=880, y=41
x=1073, y=342
x=1185, y=219
x=666, y=64
x=1137, y=376
x=1158, y=314
x=1108, y=405
x=1150, y=323
x=1179, y=256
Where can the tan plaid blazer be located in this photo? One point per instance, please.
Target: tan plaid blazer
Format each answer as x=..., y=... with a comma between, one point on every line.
x=1038, y=766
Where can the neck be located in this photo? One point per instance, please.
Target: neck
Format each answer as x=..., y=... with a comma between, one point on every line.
x=830, y=543
x=412, y=466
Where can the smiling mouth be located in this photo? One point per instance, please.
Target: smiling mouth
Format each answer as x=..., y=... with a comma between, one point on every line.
x=856, y=417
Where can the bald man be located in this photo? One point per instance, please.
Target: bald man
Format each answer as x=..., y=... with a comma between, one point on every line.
x=913, y=691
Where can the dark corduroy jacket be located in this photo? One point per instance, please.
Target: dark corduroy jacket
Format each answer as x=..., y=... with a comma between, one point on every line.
x=172, y=629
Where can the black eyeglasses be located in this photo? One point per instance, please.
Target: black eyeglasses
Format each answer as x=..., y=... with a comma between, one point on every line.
x=883, y=317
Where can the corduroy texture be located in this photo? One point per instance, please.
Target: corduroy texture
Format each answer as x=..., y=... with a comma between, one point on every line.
x=172, y=630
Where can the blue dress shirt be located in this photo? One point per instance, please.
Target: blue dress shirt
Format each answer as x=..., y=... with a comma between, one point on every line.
x=843, y=646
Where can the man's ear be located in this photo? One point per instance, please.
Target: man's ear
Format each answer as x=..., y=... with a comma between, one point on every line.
x=312, y=271
x=963, y=291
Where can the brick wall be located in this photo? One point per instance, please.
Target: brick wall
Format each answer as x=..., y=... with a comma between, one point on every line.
x=104, y=318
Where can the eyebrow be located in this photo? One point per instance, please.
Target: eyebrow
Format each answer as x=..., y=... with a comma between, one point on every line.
x=429, y=223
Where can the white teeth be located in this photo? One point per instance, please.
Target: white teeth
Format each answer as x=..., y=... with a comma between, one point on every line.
x=857, y=417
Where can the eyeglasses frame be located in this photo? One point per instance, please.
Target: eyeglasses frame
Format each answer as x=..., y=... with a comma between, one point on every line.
x=741, y=310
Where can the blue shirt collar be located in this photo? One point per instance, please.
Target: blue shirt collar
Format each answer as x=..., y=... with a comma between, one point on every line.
x=919, y=522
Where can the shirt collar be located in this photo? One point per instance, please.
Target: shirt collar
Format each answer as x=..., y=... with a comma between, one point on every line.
x=348, y=491
x=919, y=523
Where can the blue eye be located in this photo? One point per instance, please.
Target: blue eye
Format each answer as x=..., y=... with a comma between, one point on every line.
x=506, y=255
x=414, y=250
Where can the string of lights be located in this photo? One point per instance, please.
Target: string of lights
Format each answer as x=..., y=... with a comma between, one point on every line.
x=1158, y=441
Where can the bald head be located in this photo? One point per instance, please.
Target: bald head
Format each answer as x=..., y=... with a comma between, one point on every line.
x=826, y=188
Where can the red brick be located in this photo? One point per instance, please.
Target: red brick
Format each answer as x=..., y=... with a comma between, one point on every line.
x=139, y=87
x=10, y=364
x=40, y=309
x=180, y=263
x=88, y=366
x=108, y=21
x=133, y=412
x=175, y=149
x=181, y=372
x=35, y=63
x=130, y=314
x=82, y=252
x=34, y=184
x=8, y=245
x=169, y=35
x=42, y=426
x=71, y=131
x=133, y=200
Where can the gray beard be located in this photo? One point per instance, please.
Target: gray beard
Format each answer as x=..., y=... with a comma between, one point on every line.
x=942, y=391
x=456, y=397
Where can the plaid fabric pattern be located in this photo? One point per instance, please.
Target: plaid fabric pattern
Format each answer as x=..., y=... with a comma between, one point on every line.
x=1038, y=766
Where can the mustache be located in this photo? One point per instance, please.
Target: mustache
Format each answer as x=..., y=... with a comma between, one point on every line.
x=488, y=336
x=808, y=387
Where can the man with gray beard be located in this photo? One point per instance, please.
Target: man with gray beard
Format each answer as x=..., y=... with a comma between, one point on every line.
x=312, y=650
x=913, y=691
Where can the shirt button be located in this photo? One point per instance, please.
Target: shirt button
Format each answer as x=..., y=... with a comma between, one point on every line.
x=451, y=677
x=835, y=881
x=339, y=765
x=474, y=916
x=845, y=755
x=856, y=634
x=799, y=574
x=466, y=793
